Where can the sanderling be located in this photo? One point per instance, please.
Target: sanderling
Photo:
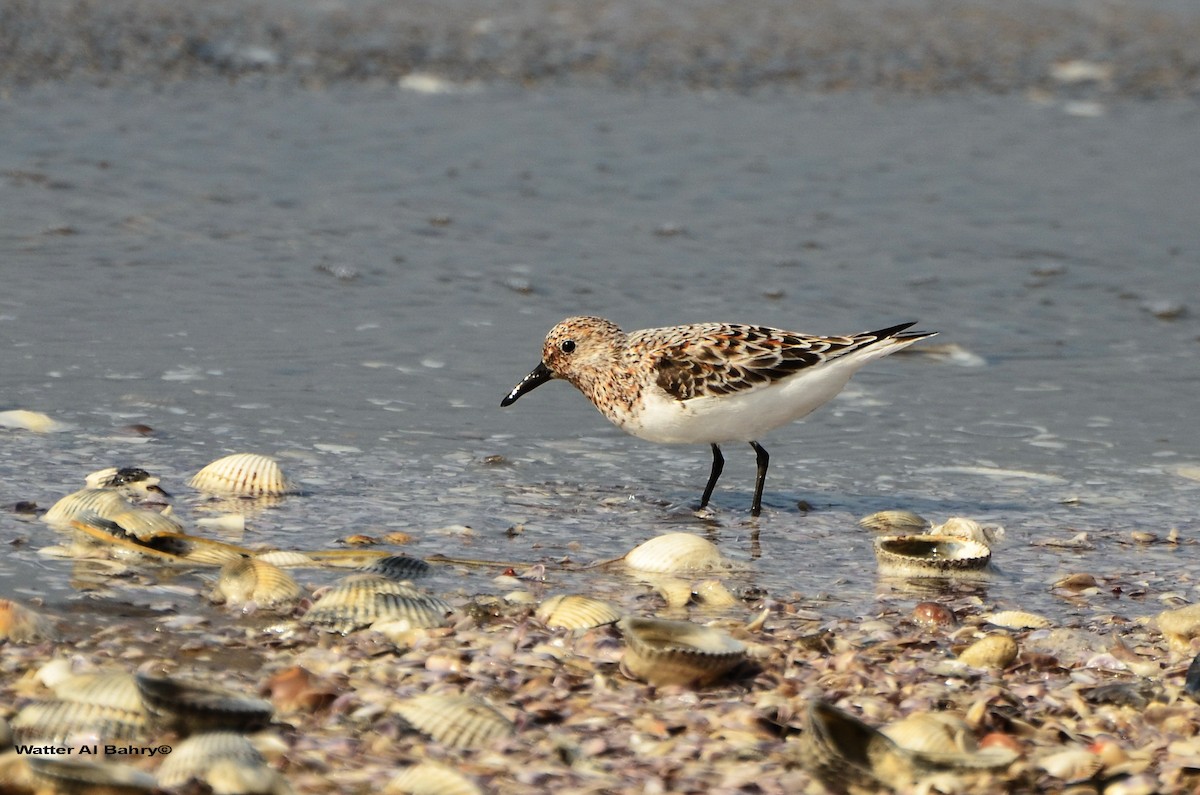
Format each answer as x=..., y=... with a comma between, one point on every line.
x=708, y=382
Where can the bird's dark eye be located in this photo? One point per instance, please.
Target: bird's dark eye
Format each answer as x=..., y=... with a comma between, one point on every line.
x=567, y=346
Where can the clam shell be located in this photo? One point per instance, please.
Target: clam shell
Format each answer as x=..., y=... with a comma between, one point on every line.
x=839, y=749
x=454, y=720
x=894, y=522
x=931, y=733
x=575, y=611
x=398, y=567
x=1073, y=764
x=193, y=708
x=1180, y=626
x=20, y=624
x=114, y=689
x=969, y=529
x=286, y=558
x=677, y=652
x=253, y=580
x=1017, y=619
x=929, y=556
x=243, y=475
x=675, y=592
x=674, y=553
x=990, y=651
x=28, y=420
x=713, y=593
x=430, y=778
x=145, y=524
x=361, y=600
x=104, y=503
x=195, y=756
x=56, y=721
x=64, y=775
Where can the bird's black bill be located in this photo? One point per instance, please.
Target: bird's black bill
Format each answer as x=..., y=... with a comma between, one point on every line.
x=540, y=375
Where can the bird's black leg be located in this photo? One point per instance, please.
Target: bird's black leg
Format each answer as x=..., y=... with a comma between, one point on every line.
x=760, y=481
x=714, y=475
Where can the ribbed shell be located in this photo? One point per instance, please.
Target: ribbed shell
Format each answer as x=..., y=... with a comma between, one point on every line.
x=575, y=611
x=894, y=522
x=63, y=775
x=55, y=721
x=286, y=558
x=839, y=749
x=145, y=524
x=20, y=624
x=360, y=600
x=398, y=567
x=455, y=721
x=430, y=778
x=253, y=580
x=192, y=758
x=193, y=708
x=242, y=475
x=104, y=503
x=115, y=689
x=677, y=652
x=922, y=556
x=674, y=553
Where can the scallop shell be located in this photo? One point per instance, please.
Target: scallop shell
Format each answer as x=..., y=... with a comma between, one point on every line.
x=839, y=749
x=455, y=721
x=1073, y=764
x=243, y=475
x=361, y=600
x=114, y=689
x=430, y=778
x=192, y=758
x=1017, y=619
x=145, y=524
x=1180, y=626
x=990, y=651
x=931, y=733
x=677, y=652
x=929, y=556
x=192, y=708
x=19, y=624
x=104, y=503
x=575, y=611
x=253, y=580
x=674, y=553
x=286, y=558
x=894, y=522
x=238, y=777
x=398, y=567
x=64, y=775
x=56, y=721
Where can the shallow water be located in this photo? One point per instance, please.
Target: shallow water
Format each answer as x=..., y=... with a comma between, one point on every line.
x=351, y=279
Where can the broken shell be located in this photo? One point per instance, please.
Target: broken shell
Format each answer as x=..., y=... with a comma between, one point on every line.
x=74, y=776
x=192, y=758
x=19, y=624
x=430, y=778
x=254, y=580
x=894, y=522
x=398, y=567
x=192, y=708
x=990, y=651
x=673, y=553
x=929, y=556
x=969, y=530
x=456, y=721
x=1180, y=626
x=677, y=652
x=243, y=475
x=575, y=611
x=361, y=600
x=1017, y=619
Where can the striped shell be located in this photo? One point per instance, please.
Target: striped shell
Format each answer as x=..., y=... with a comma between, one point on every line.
x=286, y=558
x=920, y=556
x=361, y=600
x=65, y=775
x=398, y=567
x=145, y=524
x=677, y=652
x=251, y=580
x=894, y=522
x=575, y=611
x=19, y=624
x=990, y=651
x=115, y=689
x=192, y=758
x=842, y=751
x=430, y=778
x=674, y=553
x=104, y=503
x=242, y=475
x=106, y=704
x=192, y=708
x=455, y=721
x=1017, y=619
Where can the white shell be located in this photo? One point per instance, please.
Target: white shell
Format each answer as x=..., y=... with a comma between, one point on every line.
x=677, y=652
x=192, y=758
x=1180, y=626
x=254, y=580
x=674, y=553
x=66, y=775
x=243, y=475
x=456, y=721
x=430, y=778
x=104, y=503
x=361, y=600
x=575, y=611
x=34, y=421
x=1017, y=619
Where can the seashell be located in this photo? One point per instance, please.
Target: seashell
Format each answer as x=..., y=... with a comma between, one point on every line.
x=364, y=599
x=430, y=778
x=134, y=482
x=575, y=611
x=104, y=503
x=19, y=624
x=1180, y=626
x=969, y=530
x=286, y=559
x=27, y=420
x=929, y=556
x=145, y=524
x=238, y=777
x=902, y=522
x=453, y=720
x=192, y=758
x=677, y=652
x=398, y=567
x=931, y=733
x=839, y=750
x=66, y=775
x=243, y=475
x=675, y=553
x=1073, y=764
x=191, y=708
x=56, y=721
x=253, y=580
x=674, y=591
x=1017, y=619
x=932, y=614
x=113, y=689
x=990, y=651
x=713, y=593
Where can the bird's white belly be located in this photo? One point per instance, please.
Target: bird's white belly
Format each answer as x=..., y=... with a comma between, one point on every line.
x=737, y=417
